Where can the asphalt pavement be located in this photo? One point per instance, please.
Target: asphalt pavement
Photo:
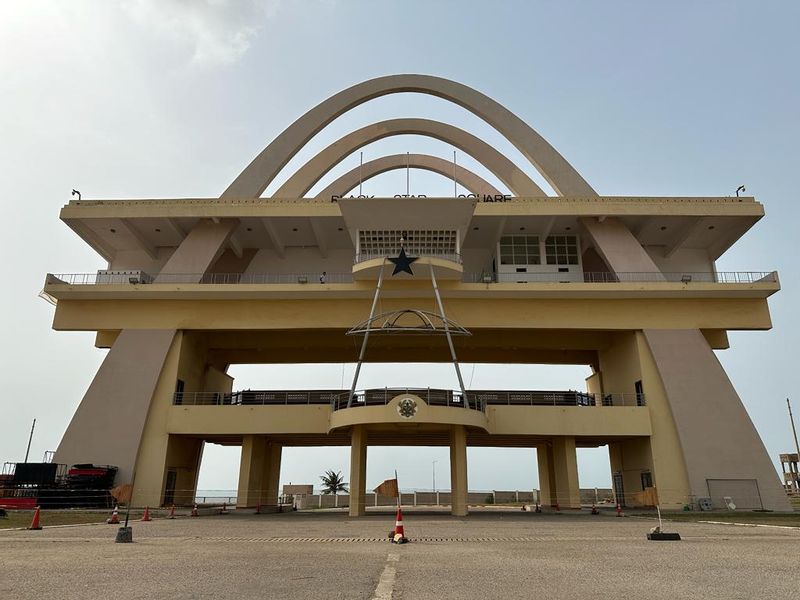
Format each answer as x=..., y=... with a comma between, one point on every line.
x=319, y=554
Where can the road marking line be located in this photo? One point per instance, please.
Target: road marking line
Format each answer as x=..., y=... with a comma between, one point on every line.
x=750, y=524
x=386, y=582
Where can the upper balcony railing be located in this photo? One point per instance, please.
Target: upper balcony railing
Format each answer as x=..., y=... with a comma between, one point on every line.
x=625, y=277
x=140, y=277
x=337, y=399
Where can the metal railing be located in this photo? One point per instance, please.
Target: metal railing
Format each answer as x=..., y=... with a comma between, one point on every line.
x=382, y=396
x=554, y=398
x=337, y=399
x=628, y=277
x=365, y=256
x=309, y=277
x=317, y=277
x=259, y=397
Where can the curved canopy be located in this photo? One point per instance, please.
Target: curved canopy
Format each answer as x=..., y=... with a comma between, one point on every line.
x=252, y=182
x=316, y=168
x=474, y=183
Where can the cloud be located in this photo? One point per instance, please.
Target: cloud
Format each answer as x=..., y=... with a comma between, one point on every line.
x=218, y=32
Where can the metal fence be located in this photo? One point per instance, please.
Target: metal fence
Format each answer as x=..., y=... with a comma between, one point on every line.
x=337, y=399
x=629, y=277
x=554, y=398
x=133, y=277
x=432, y=397
x=317, y=277
x=259, y=397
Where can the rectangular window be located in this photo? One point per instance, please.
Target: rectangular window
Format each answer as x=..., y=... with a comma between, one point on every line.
x=520, y=250
x=647, y=479
x=561, y=250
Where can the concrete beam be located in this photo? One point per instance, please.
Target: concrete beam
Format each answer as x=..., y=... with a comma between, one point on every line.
x=682, y=236
x=319, y=236
x=274, y=237
x=235, y=245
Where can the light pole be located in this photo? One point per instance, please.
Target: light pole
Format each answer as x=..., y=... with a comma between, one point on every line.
x=434, y=475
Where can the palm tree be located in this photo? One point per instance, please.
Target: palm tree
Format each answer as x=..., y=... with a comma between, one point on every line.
x=333, y=483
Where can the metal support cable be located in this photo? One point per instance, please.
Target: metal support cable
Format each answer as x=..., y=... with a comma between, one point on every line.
x=366, y=337
x=449, y=337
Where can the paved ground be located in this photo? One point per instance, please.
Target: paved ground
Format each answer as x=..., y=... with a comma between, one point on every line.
x=491, y=554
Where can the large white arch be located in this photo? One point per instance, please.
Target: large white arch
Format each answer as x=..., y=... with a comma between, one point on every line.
x=252, y=182
x=506, y=171
x=474, y=183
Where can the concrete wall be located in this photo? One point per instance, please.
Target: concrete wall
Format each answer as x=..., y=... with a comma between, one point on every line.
x=302, y=260
x=684, y=260
x=139, y=260
x=619, y=364
x=477, y=260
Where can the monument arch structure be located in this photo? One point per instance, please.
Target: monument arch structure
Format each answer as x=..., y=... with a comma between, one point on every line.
x=476, y=184
x=498, y=164
x=626, y=285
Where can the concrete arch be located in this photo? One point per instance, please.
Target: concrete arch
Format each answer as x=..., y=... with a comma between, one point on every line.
x=474, y=183
x=252, y=182
x=505, y=170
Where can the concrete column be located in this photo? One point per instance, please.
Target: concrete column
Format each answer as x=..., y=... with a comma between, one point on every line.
x=139, y=365
x=252, y=470
x=547, y=483
x=458, y=471
x=565, y=470
x=183, y=457
x=272, y=472
x=358, y=471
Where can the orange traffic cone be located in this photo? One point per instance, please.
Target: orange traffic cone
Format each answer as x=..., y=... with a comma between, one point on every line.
x=114, y=518
x=194, y=511
x=35, y=522
x=146, y=515
x=594, y=510
x=399, y=532
x=619, y=510
x=172, y=512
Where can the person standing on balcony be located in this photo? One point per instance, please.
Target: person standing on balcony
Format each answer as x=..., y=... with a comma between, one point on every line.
x=323, y=278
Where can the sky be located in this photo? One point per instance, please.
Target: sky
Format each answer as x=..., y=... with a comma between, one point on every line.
x=170, y=98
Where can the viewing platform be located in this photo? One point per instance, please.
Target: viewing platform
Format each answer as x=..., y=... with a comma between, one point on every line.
x=337, y=399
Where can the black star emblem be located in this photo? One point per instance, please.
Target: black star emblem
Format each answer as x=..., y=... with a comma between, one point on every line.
x=402, y=264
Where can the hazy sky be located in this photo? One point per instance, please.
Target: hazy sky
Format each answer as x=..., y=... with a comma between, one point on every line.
x=171, y=98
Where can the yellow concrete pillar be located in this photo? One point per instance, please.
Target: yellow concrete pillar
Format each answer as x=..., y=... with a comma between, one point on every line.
x=358, y=471
x=252, y=468
x=272, y=474
x=565, y=470
x=548, y=493
x=458, y=470
x=183, y=457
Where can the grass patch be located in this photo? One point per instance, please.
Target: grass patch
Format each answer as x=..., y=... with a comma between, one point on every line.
x=753, y=518
x=22, y=518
